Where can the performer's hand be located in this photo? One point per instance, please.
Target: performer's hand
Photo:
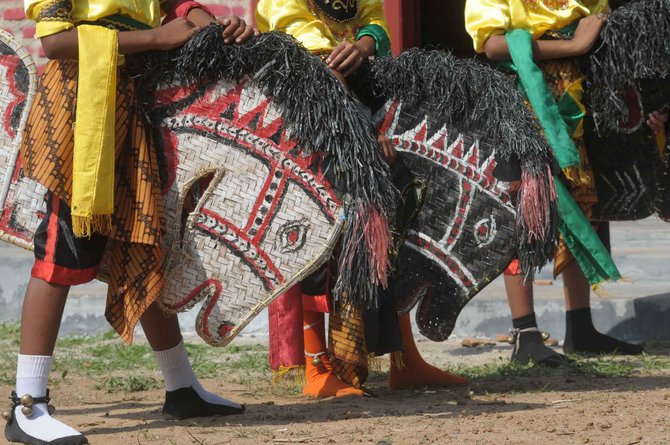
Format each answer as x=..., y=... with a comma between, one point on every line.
x=345, y=56
x=237, y=30
x=587, y=33
x=658, y=120
x=388, y=151
x=174, y=34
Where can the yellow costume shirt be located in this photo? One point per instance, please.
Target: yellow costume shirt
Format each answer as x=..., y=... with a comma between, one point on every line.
x=484, y=18
x=318, y=33
x=54, y=16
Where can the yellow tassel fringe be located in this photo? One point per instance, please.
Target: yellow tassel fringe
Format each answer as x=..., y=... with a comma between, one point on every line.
x=85, y=226
x=577, y=175
x=289, y=376
x=398, y=360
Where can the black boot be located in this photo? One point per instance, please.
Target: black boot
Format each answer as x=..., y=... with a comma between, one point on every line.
x=185, y=403
x=529, y=345
x=582, y=337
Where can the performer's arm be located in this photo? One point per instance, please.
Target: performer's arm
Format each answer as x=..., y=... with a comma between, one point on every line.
x=586, y=34
x=237, y=30
x=65, y=45
x=373, y=39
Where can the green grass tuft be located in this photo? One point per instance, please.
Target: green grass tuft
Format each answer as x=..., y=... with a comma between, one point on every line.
x=604, y=366
x=131, y=383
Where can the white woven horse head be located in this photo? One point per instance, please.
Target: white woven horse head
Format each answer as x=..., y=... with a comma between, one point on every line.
x=263, y=219
x=264, y=216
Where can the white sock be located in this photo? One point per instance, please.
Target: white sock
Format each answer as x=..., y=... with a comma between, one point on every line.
x=178, y=373
x=32, y=377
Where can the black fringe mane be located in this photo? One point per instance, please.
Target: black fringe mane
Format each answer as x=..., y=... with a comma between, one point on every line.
x=317, y=111
x=635, y=45
x=473, y=97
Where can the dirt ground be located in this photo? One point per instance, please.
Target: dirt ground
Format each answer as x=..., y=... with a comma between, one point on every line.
x=608, y=401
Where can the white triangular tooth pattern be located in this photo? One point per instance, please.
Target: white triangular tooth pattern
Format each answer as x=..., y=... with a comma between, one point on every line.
x=455, y=150
x=251, y=100
x=411, y=135
x=396, y=116
x=220, y=89
x=472, y=155
x=488, y=180
x=439, y=138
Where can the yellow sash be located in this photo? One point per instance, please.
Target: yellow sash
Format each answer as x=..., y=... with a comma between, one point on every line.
x=94, y=133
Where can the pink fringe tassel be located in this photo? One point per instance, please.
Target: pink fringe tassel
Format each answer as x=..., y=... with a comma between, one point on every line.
x=378, y=240
x=534, y=203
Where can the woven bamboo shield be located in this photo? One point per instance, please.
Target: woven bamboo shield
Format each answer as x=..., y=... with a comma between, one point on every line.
x=248, y=213
x=262, y=218
x=463, y=237
x=22, y=199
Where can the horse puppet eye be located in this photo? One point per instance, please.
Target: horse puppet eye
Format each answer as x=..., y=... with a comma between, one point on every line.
x=293, y=235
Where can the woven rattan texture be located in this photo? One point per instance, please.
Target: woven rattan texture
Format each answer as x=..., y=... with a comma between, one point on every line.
x=22, y=199
x=264, y=221
x=464, y=235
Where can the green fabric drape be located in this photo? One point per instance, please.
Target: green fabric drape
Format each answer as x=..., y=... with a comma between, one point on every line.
x=532, y=82
x=584, y=244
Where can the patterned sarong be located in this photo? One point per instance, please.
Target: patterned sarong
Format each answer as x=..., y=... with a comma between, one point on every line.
x=133, y=259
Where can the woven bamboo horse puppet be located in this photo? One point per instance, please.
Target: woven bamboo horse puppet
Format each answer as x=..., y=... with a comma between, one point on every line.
x=447, y=118
x=449, y=137
x=452, y=121
x=249, y=209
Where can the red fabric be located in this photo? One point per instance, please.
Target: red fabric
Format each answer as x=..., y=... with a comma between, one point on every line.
x=52, y=231
x=55, y=274
x=182, y=8
x=316, y=303
x=50, y=272
x=286, y=333
x=513, y=268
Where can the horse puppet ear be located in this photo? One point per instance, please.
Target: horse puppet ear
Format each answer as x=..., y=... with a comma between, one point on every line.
x=20, y=198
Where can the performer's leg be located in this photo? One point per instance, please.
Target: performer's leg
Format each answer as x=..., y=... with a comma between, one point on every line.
x=40, y=320
x=528, y=343
x=321, y=380
x=415, y=371
x=184, y=397
x=580, y=334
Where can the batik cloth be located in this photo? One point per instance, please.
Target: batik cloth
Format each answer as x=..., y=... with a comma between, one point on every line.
x=134, y=256
x=564, y=80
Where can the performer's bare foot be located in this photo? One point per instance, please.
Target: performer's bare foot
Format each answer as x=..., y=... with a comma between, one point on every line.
x=415, y=371
x=321, y=380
